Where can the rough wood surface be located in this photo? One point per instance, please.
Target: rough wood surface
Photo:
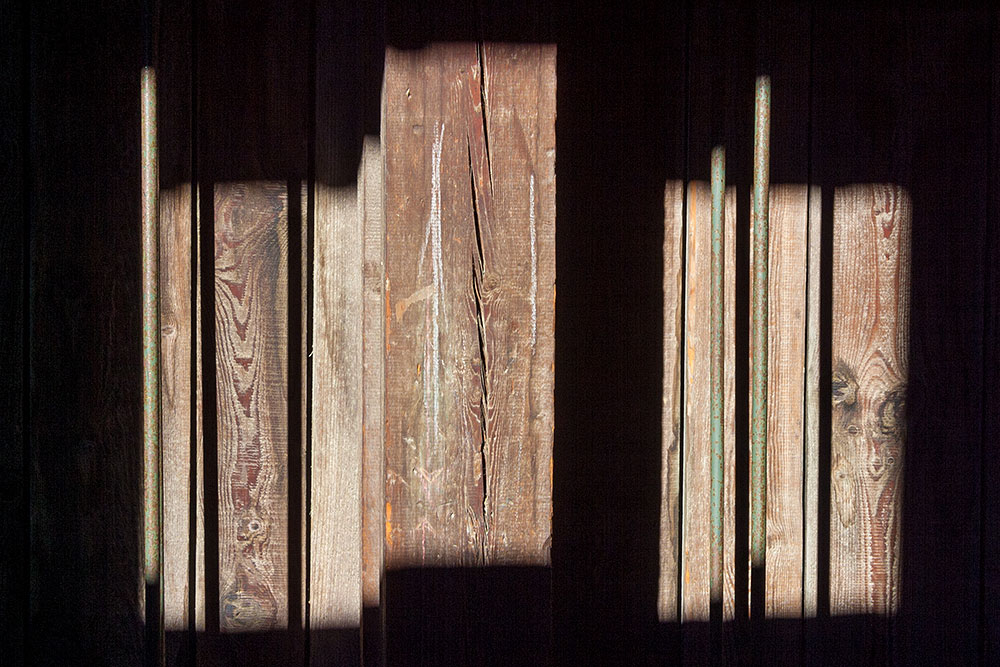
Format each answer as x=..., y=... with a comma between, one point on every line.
x=470, y=272
x=673, y=323
x=469, y=383
x=370, y=200
x=697, y=478
x=871, y=289
x=176, y=376
x=786, y=334
x=335, y=503
x=251, y=309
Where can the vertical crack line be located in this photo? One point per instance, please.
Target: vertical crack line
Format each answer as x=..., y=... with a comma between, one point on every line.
x=480, y=48
x=478, y=269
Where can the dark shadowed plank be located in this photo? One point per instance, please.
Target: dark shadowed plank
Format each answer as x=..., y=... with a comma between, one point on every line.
x=13, y=369
x=85, y=413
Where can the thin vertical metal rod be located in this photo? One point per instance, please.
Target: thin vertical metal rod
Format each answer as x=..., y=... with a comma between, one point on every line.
x=717, y=369
x=758, y=416
x=152, y=458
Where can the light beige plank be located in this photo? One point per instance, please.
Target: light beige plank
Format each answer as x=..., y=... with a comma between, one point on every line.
x=811, y=443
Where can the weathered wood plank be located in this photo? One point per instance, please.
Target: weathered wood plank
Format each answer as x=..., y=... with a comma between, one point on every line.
x=176, y=376
x=251, y=320
x=673, y=323
x=870, y=339
x=337, y=418
x=469, y=151
x=786, y=333
x=372, y=211
x=697, y=478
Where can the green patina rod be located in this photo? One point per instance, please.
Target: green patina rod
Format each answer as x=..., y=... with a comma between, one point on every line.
x=152, y=494
x=758, y=415
x=717, y=370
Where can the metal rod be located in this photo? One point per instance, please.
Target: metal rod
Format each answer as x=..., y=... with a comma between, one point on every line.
x=717, y=368
x=758, y=416
x=152, y=458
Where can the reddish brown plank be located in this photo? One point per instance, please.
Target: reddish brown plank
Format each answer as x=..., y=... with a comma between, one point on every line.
x=251, y=227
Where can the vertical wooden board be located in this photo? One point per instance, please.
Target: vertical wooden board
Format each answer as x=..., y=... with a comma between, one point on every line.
x=251, y=320
x=696, y=459
x=335, y=503
x=870, y=338
x=469, y=160
x=786, y=334
x=14, y=523
x=373, y=462
x=810, y=480
x=515, y=296
x=697, y=478
x=673, y=322
x=176, y=376
x=434, y=496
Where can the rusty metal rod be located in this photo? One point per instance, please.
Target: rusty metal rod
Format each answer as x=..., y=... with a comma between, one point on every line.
x=152, y=456
x=758, y=381
x=717, y=368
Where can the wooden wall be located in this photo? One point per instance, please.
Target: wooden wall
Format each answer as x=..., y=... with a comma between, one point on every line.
x=886, y=115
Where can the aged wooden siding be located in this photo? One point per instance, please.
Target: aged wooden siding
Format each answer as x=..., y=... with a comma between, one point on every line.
x=470, y=273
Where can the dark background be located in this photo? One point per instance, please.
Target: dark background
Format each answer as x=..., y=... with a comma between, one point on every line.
x=861, y=94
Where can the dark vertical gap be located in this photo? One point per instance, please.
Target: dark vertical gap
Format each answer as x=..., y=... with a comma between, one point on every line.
x=210, y=426
x=26, y=321
x=307, y=397
x=988, y=255
x=825, y=417
x=293, y=189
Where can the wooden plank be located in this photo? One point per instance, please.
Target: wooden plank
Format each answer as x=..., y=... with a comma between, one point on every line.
x=673, y=323
x=176, y=376
x=470, y=148
x=14, y=517
x=251, y=309
x=871, y=291
x=786, y=333
x=697, y=478
x=372, y=210
x=337, y=418
x=810, y=481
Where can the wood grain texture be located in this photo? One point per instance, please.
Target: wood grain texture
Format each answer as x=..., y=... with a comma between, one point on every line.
x=372, y=211
x=697, y=478
x=871, y=286
x=337, y=418
x=673, y=323
x=251, y=316
x=786, y=334
x=468, y=395
x=176, y=377
x=469, y=151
